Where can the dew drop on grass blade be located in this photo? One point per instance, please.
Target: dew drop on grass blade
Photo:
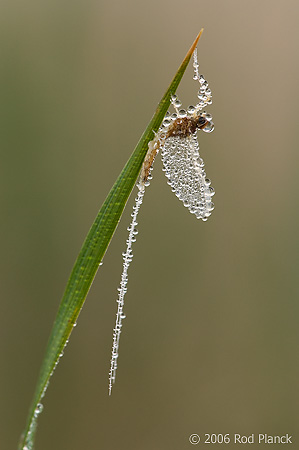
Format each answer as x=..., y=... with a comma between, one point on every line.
x=184, y=169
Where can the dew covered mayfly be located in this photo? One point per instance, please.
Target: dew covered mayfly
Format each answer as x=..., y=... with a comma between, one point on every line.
x=177, y=141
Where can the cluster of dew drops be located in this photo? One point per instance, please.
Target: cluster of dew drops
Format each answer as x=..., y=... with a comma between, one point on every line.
x=182, y=163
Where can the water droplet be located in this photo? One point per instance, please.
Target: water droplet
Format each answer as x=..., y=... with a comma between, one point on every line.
x=166, y=122
x=209, y=128
x=39, y=408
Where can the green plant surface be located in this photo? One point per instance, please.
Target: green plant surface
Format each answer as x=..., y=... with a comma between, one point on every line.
x=91, y=254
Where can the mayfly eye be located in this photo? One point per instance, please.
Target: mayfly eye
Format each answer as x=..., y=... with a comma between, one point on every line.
x=201, y=121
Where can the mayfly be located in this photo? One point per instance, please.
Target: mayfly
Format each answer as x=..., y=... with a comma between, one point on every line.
x=184, y=168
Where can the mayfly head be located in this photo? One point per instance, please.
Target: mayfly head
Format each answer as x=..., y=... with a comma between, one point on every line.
x=186, y=125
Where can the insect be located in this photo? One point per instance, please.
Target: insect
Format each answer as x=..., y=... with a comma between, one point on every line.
x=184, y=169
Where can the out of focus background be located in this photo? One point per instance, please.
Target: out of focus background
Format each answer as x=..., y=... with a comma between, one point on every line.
x=210, y=343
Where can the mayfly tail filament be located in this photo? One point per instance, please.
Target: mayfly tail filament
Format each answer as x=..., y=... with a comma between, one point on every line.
x=144, y=181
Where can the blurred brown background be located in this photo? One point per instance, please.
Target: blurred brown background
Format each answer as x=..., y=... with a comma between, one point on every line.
x=210, y=343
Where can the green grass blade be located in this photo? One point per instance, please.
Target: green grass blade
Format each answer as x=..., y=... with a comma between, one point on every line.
x=91, y=254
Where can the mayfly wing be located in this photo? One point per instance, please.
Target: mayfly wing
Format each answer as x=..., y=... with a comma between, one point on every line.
x=184, y=169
